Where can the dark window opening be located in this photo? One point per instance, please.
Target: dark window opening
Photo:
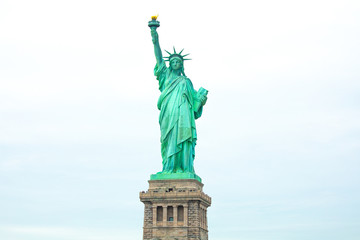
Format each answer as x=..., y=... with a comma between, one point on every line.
x=170, y=213
x=180, y=213
x=159, y=213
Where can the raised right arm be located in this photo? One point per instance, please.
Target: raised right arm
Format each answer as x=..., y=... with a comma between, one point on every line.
x=157, y=49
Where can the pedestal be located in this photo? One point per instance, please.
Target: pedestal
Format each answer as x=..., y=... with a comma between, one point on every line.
x=175, y=209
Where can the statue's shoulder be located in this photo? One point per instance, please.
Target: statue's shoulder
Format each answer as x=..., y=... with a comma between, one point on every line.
x=188, y=79
x=161, y=70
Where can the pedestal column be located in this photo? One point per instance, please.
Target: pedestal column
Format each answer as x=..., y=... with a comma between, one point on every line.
x=175, y=209
x=164, y=215
x=186, y=209
x=154, y=208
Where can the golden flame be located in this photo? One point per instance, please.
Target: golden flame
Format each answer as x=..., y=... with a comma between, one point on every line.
x=154, y=17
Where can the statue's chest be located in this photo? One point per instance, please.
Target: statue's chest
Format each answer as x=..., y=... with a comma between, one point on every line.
x=175, y=82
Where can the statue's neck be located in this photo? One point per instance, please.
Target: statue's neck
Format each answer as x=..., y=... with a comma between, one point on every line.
x=175, y=73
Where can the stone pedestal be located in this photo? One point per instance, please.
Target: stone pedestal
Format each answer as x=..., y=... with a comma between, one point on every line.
x=175, y=209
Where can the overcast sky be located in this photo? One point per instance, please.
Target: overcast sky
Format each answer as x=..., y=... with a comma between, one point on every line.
x=278, y=142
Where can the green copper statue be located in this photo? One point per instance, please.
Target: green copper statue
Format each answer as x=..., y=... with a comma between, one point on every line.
x=179, y=106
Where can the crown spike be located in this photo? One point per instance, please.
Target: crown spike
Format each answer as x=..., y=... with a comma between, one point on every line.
x=175, y=54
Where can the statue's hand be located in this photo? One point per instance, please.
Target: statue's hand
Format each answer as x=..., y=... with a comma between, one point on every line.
x=155, y=36
x=203, y=99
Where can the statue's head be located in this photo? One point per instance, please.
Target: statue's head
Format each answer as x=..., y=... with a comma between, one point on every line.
x=176, y=63
x=176, y=60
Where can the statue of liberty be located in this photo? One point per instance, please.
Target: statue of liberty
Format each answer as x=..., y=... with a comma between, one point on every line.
x=179, y=106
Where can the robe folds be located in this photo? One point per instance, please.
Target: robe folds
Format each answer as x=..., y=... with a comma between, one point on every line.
x=177, y=121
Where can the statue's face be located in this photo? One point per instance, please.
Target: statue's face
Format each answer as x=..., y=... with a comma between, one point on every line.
x=176, y=64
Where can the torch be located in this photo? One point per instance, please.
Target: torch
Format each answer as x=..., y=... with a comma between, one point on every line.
x=154, y=24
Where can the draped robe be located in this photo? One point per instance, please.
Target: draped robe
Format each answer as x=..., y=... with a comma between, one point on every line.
x=177, y=120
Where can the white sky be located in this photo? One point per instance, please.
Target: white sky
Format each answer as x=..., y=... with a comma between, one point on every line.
x=278, y=143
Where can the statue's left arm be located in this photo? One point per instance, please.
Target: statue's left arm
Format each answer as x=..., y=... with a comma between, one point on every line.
x=200, y=98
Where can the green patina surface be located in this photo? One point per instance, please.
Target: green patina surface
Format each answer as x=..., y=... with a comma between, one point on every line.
x=179, y=104
x=164, y=176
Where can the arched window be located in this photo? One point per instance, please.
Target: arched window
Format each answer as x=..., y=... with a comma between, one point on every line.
x=180, y=213
x=159, y=213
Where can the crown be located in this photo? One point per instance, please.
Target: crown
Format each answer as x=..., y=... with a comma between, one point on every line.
x=176, y=55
